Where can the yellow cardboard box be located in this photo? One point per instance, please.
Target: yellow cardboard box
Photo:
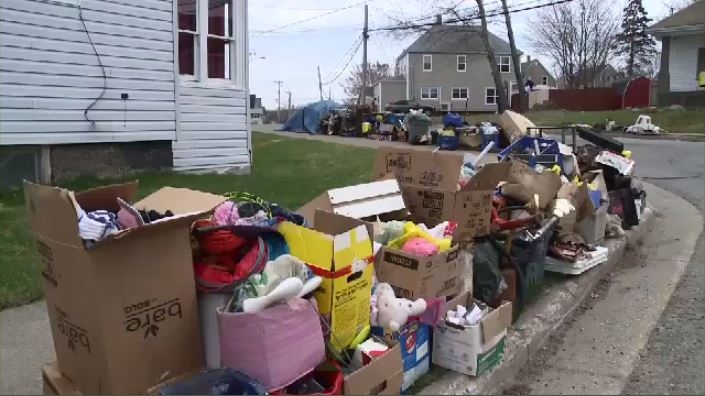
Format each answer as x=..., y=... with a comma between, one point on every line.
x=339, y=249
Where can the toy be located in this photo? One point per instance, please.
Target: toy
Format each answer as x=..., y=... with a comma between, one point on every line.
x=393, y=312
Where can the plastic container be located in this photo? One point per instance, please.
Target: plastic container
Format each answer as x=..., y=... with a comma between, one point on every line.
x=452, y=119
x=327, y=375
x=549, y=148
x=490, y=137
x=418, y=128
x=223, y=381
x=530, y=255
x=448, y=142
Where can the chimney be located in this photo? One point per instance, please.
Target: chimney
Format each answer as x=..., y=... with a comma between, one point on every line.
x=439, y=19
x=528, y=58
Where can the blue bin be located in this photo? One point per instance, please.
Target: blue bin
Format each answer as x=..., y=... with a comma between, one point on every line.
x=452, y=119
x=223, y=381
x=548, y=147
x=490, y=137
x=448, y=142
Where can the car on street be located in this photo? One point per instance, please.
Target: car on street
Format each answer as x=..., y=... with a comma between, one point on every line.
x=403, y=106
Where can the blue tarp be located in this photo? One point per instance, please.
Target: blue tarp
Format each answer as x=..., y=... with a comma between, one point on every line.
x=308, y=118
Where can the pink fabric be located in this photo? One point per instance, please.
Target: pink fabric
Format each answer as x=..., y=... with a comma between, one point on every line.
x=226, y=213
x=276, y=346
x=419, y=247
x=128, y=216
x=434, y=312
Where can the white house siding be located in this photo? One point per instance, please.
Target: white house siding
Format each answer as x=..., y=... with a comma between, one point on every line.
x=683, y=62
x=49, y=73
x=214, y=129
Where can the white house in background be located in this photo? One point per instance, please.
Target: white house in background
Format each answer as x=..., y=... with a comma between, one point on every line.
x=104, y=86
x=682, y=38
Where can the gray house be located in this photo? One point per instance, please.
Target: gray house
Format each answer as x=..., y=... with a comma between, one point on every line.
x=535, y=71
x=447, y=67
x=103, y=86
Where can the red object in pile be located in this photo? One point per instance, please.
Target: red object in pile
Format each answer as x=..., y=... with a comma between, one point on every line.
x=328, y=374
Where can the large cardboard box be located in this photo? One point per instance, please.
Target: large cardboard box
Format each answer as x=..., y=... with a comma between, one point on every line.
x=476, y=349
x=429, y=183
x=415, y=341
x=339, y=249
x=382, y=376
x=415, y=276
x=123, y=314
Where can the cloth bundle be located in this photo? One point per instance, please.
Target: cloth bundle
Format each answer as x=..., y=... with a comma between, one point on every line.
x=417, y=239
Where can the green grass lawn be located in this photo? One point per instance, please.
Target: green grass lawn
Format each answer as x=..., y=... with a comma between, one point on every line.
x=689, y=121
x=287, y=171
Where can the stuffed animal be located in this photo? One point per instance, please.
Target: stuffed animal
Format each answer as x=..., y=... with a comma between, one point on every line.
x=393, y=312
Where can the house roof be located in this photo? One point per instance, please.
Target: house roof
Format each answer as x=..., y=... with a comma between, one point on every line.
x=688, y=19
x=534, y=62
x=456, y=39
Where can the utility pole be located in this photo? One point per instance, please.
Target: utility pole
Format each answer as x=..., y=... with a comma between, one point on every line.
x=329, y=95
x=320, y=86
x=288, y=107
x=523, y=100
x=279, y=99
x=365, y=36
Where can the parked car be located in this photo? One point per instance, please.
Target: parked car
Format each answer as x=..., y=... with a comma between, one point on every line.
x=403, y=106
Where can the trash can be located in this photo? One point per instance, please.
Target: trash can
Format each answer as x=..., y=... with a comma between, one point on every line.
x=530, y=255
x=222, y=381
x=418, y=125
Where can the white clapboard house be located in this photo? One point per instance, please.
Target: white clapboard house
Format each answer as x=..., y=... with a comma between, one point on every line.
x=101, y=86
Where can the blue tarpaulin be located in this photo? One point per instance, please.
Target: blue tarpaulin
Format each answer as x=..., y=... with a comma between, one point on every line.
x=308, y=118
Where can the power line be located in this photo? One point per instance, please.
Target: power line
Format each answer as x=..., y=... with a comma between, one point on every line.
x=347, y=53
x=346, y=65
x=335, y=10
x=467, y=19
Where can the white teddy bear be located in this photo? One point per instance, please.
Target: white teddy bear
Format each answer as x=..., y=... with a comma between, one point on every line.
x=392, y=312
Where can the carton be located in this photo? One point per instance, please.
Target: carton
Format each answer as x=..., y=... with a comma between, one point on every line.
x=339, y=249
x=123, y=314
x=382, y=376
x=53, y=383
x=414, y=339
x=362, y=201
x=476, y=349
x=415, y=276
x=429, y=184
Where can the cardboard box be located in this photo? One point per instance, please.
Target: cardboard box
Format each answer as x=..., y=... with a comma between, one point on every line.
x=476, y=349
x=53, y=383
x=339, y=249
x=429, y=184
x=415, y=341
x=362, y=201
x=383, y=376
x=123, y=313
x=592, y=228
x=415, y=276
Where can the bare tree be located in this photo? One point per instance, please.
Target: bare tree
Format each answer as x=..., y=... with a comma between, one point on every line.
x=484, y=34
x=515, y=57
x=353, y=83
x=579, y=36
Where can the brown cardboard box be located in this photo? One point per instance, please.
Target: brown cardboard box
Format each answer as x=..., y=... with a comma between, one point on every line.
x=53, y=383
x=429, y=182
x=439, y=275
x=123, y=314
x=382, y=376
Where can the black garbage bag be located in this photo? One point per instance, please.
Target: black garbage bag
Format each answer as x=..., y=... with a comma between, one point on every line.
x=486, y=275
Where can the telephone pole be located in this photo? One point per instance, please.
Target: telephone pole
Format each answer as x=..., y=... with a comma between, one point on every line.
x=365, y=36
x=288, y=107
x=279, y=99
x=320, y=86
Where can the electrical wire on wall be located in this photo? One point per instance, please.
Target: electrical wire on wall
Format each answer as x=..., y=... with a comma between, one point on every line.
x=100, y=63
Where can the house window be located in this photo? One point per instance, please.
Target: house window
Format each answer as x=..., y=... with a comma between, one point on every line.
x=430, y=92
x=459, y=93
x=504, y=64
x=427, y=62
x=544, y=80
x=462, y=63
x=206, y=40
x=490, y=96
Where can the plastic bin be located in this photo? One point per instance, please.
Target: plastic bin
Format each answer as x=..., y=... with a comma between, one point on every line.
x=452, y=119
x=418, y=128
x=524, y=148
x=490, y=137
x=448, y=142
x=530, y=255
x=223, y=381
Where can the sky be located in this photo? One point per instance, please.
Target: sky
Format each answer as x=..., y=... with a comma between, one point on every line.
x=289, y=39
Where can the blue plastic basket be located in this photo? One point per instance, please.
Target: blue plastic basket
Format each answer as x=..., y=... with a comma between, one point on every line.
x=547, y=146
x=490, y=137
x=448, y=142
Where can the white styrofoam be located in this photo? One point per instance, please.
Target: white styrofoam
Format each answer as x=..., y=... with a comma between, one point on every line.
x=595, y=258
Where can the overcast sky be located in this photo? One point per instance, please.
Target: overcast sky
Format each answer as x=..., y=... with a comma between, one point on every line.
x=321, y=34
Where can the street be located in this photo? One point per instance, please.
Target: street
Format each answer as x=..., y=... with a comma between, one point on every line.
x=611, y=344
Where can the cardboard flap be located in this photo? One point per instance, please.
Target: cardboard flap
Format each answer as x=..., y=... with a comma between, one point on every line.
x=436, y=169
x=496, y=321
x=52, y=213
x=180, y=201
x=366, y=200
x=311, y=246
x=382, y=376
x=57, y=383
x=333, y=224
x=105, y=197
x=488, y=176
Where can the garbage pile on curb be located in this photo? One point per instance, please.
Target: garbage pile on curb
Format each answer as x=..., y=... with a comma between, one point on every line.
x=358, y=291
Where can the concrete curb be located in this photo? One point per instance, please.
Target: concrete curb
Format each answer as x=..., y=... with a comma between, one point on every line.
x=540, y=319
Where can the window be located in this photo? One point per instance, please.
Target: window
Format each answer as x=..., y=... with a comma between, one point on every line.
x=462, y=63
x=459, y=93
x=430, y=92
x=544, y=80
x=504, y=64
x=206, y=40
x=427, y=62
x=490, y=96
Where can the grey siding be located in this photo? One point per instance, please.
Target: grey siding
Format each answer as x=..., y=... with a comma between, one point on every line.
x=389, y=91
x=213, y=130
x=444, y=74
x=49, y=74
x=535, y=71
